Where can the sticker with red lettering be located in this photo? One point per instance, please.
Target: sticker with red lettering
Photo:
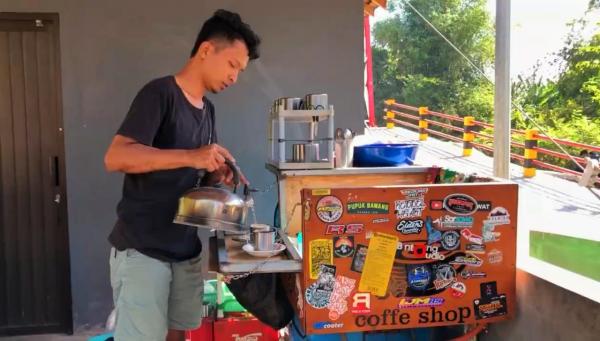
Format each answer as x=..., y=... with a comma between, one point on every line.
x=361, y=303
x=460, y=204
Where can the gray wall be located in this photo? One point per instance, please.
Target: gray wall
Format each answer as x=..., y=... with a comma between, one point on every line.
x=111, y=48
x=546, y=312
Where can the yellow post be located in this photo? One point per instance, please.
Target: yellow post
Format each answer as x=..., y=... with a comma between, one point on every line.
x=468, y=136
x=531, y=139
x=389, y=114
x=423, y=125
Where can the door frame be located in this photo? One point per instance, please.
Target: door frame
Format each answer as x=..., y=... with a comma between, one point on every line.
x=62, y=246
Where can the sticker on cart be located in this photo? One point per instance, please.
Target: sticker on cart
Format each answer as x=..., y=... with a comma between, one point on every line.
x=498, y=216
x=459, y=289
x=378, y=264
x=380, y=220
x=321, y=191
x=358, y=261
x=368, y=208
x=445, y=275
x=471, y=237
x=450, y=240
x=436, y=205
x=322, y=325
x=318, y=294
x=475, y=248
x=484, y=206
x=419, y=276
x=449, y=222
x=490, y=307
x=398, y=280
x=338, y=304
x=409, y=208
x=418, y=251
x=329, y=209
x=420, y=302
x=489, y=234
x=361, y=303
x=410, y=226
x=320, y=252
x=460, y=204
x=488, y=289
x=468, y=274
x=495, y=256
x=469, y=260
x=414, y=193
x=433, y=235
x=343, y=246
x=345, y=229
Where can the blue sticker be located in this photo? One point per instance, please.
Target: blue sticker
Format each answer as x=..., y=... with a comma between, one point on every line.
x=327, y=325
x=433, y=235
x=419, y=276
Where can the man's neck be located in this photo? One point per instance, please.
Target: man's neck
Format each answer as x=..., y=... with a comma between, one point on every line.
x=191, y=88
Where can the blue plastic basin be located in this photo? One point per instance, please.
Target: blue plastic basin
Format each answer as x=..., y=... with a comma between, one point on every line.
x=384, y=155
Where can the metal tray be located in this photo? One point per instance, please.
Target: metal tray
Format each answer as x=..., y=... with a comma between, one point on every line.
x=231, y=259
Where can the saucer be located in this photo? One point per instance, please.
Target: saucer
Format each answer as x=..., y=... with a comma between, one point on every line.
x=278, y=248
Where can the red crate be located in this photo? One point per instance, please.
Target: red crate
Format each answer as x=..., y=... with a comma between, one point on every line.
x=242, y=329
x=204, y=333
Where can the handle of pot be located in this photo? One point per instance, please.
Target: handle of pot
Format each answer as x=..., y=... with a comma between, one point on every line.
x=236, y=173
x=232, y=166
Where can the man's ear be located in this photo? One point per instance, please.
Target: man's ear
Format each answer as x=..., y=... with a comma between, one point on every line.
x=205, y=48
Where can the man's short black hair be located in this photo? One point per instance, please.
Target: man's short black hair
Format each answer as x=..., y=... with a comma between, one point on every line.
x=228, y=26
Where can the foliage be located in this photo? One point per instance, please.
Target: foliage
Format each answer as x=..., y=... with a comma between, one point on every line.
x=414, y=65
x=567, y=107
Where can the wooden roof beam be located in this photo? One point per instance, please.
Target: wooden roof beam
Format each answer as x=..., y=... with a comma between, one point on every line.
x=371, y=5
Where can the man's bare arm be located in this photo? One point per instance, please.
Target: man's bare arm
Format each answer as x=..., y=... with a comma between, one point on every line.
x=129, y=156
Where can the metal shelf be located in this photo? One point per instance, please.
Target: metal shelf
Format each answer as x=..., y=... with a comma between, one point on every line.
x=301, y=165
x=303, y=116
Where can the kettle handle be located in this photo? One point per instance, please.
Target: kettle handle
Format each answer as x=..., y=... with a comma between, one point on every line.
x=234, y=169
x=236, y=173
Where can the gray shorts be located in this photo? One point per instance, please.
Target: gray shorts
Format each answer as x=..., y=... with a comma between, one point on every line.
x=152, y=296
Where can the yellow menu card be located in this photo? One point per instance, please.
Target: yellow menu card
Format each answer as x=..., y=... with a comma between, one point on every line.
x=378, y=264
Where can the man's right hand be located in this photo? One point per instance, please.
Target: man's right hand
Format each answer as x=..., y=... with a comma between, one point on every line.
x=210, y=157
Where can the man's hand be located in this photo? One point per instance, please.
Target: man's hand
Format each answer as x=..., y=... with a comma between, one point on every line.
x=224, y=175
x=211, y=157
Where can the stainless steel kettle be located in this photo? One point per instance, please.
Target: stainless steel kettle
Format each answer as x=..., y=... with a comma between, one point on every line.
x=215, y=208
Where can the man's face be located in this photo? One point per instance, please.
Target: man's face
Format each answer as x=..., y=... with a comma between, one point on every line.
x=222, y=62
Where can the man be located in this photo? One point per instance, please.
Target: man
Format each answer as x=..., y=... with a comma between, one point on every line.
x=168, y=134
x=577, y=166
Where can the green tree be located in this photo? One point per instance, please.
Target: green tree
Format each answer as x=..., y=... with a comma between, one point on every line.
x=568, y=106
x=414, y=65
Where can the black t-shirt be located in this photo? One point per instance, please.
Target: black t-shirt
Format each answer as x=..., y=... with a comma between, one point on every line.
x=162, y=117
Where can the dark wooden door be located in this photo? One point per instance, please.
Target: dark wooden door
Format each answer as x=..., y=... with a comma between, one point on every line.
x=35, y=294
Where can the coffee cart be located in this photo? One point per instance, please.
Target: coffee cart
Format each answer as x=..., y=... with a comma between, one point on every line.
x=394, y=248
